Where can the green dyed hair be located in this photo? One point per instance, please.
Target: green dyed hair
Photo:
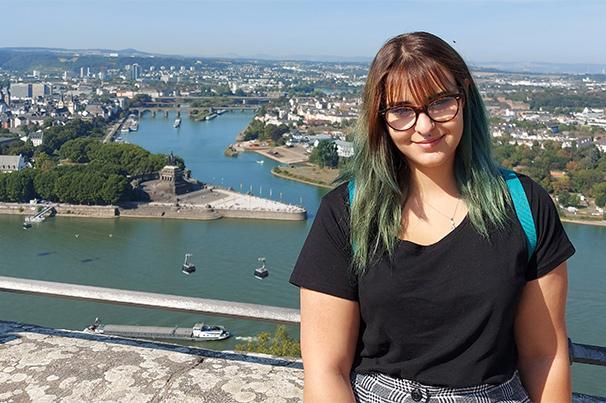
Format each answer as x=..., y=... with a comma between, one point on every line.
x=417, y=62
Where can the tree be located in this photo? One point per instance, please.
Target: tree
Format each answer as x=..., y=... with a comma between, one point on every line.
x=114, y=189
x=44, y=183
x=582, y=180
x=599, y=191
x=26, y=149
x=19, y=186
x=564, y=198
x=325, y=154
x=78, y=150
x=280, y=344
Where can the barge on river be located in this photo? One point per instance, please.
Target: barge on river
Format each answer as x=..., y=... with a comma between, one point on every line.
x=199, y=332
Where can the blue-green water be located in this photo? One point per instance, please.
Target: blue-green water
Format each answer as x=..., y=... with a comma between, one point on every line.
x=146, y=254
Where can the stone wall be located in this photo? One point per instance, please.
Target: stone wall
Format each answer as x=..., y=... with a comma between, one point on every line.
x=61, y=209
x=169, y=210
x=261, y=214
x=155, y=210
x=48, y=365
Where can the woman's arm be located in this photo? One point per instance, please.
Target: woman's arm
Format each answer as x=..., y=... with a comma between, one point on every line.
x=329, y=334
x=540, y=331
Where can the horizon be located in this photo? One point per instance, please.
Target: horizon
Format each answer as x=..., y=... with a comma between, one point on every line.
x=503, y=66
x=489, y=31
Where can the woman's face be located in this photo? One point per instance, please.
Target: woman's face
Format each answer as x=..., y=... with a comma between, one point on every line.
x=429, y=144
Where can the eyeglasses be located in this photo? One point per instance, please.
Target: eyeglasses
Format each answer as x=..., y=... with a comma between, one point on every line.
x=403, y=117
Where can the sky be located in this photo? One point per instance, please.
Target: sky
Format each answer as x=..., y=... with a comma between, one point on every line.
x=544, y=31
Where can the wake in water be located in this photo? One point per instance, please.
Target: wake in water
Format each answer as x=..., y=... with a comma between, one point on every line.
x=247, y=338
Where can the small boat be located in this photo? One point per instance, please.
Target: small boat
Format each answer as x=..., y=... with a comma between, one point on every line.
x=37, y=218
x=188, y=268
x=125, y=129
x=261, y=272
x=260, y=161
x=177, y=123
x=201, y=331
x=27, y=224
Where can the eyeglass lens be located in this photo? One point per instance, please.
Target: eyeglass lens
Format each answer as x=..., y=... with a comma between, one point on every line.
x=440, y=110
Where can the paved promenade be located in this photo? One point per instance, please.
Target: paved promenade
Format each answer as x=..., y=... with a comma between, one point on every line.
x=40, y=364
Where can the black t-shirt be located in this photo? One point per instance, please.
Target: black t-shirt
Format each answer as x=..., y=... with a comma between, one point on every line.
x=441, y=314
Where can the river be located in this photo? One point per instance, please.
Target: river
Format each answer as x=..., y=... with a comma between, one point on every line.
x=146, y=254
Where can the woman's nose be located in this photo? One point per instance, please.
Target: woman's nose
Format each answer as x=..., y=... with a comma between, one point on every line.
x=424, y=124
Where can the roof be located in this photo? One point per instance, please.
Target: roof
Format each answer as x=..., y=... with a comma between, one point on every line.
x=10, y=159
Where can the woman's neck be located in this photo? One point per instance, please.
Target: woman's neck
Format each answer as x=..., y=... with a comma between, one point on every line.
x=433, y=182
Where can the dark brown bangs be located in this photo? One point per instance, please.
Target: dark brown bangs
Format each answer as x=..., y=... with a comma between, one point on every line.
x=415, y=82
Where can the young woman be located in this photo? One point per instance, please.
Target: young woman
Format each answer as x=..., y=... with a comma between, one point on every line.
x=421, y=288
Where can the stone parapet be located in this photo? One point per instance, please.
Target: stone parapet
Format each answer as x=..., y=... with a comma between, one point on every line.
x=43, y=364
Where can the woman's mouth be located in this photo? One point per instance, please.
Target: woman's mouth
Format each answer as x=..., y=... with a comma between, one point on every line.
x=428, y=143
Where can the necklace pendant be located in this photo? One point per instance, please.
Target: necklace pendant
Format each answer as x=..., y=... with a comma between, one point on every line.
x=452, y=222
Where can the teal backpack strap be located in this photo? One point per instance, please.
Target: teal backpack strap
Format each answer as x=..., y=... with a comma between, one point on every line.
x=351, y=187
x=520, y=203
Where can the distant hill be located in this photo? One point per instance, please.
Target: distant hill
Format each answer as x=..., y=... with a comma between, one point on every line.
x=57, y=59
x=60, y=59
x=545, y=68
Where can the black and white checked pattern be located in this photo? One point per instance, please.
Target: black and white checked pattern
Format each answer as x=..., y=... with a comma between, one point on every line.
x=380, y=388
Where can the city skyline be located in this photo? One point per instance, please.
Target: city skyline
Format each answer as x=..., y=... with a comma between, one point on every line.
x=482, y=31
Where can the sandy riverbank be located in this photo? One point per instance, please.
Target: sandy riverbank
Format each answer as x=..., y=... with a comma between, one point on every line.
x=307, y=182
x=309, y=174
x=597, y=223
x=282, y=154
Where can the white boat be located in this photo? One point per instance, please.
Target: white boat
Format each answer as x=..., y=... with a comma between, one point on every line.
x=200, y=331
x=37, y=218
x=260, y=161
x=177, y=123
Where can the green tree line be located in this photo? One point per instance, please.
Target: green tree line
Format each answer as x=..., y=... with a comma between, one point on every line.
x=280, y=344
x=73, y=166
x=584, y=168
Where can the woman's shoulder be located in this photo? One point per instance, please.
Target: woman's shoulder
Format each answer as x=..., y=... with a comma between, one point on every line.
x=334, y=209
x=337, y=199
x=536, y=194
x=338, y=194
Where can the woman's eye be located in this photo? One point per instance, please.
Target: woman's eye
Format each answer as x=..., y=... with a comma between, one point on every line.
x=443, y=103
x=402, y=112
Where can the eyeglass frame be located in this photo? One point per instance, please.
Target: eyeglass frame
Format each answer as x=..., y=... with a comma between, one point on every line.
x=457, y=95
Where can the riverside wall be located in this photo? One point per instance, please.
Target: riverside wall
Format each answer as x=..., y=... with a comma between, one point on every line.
x=157, y=210
x=264, y=215
x=61, y=210
x=168, y=210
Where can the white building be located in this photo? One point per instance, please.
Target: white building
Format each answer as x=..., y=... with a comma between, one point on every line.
x=10, y=163
x=344, y=148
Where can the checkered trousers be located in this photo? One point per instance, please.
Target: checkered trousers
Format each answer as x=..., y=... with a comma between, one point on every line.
x=380, y=388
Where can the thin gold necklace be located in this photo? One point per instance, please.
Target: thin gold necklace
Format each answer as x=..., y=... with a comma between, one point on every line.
x=452, y=221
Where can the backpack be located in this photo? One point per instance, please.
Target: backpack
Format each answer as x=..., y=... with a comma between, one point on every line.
x=520, y=203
